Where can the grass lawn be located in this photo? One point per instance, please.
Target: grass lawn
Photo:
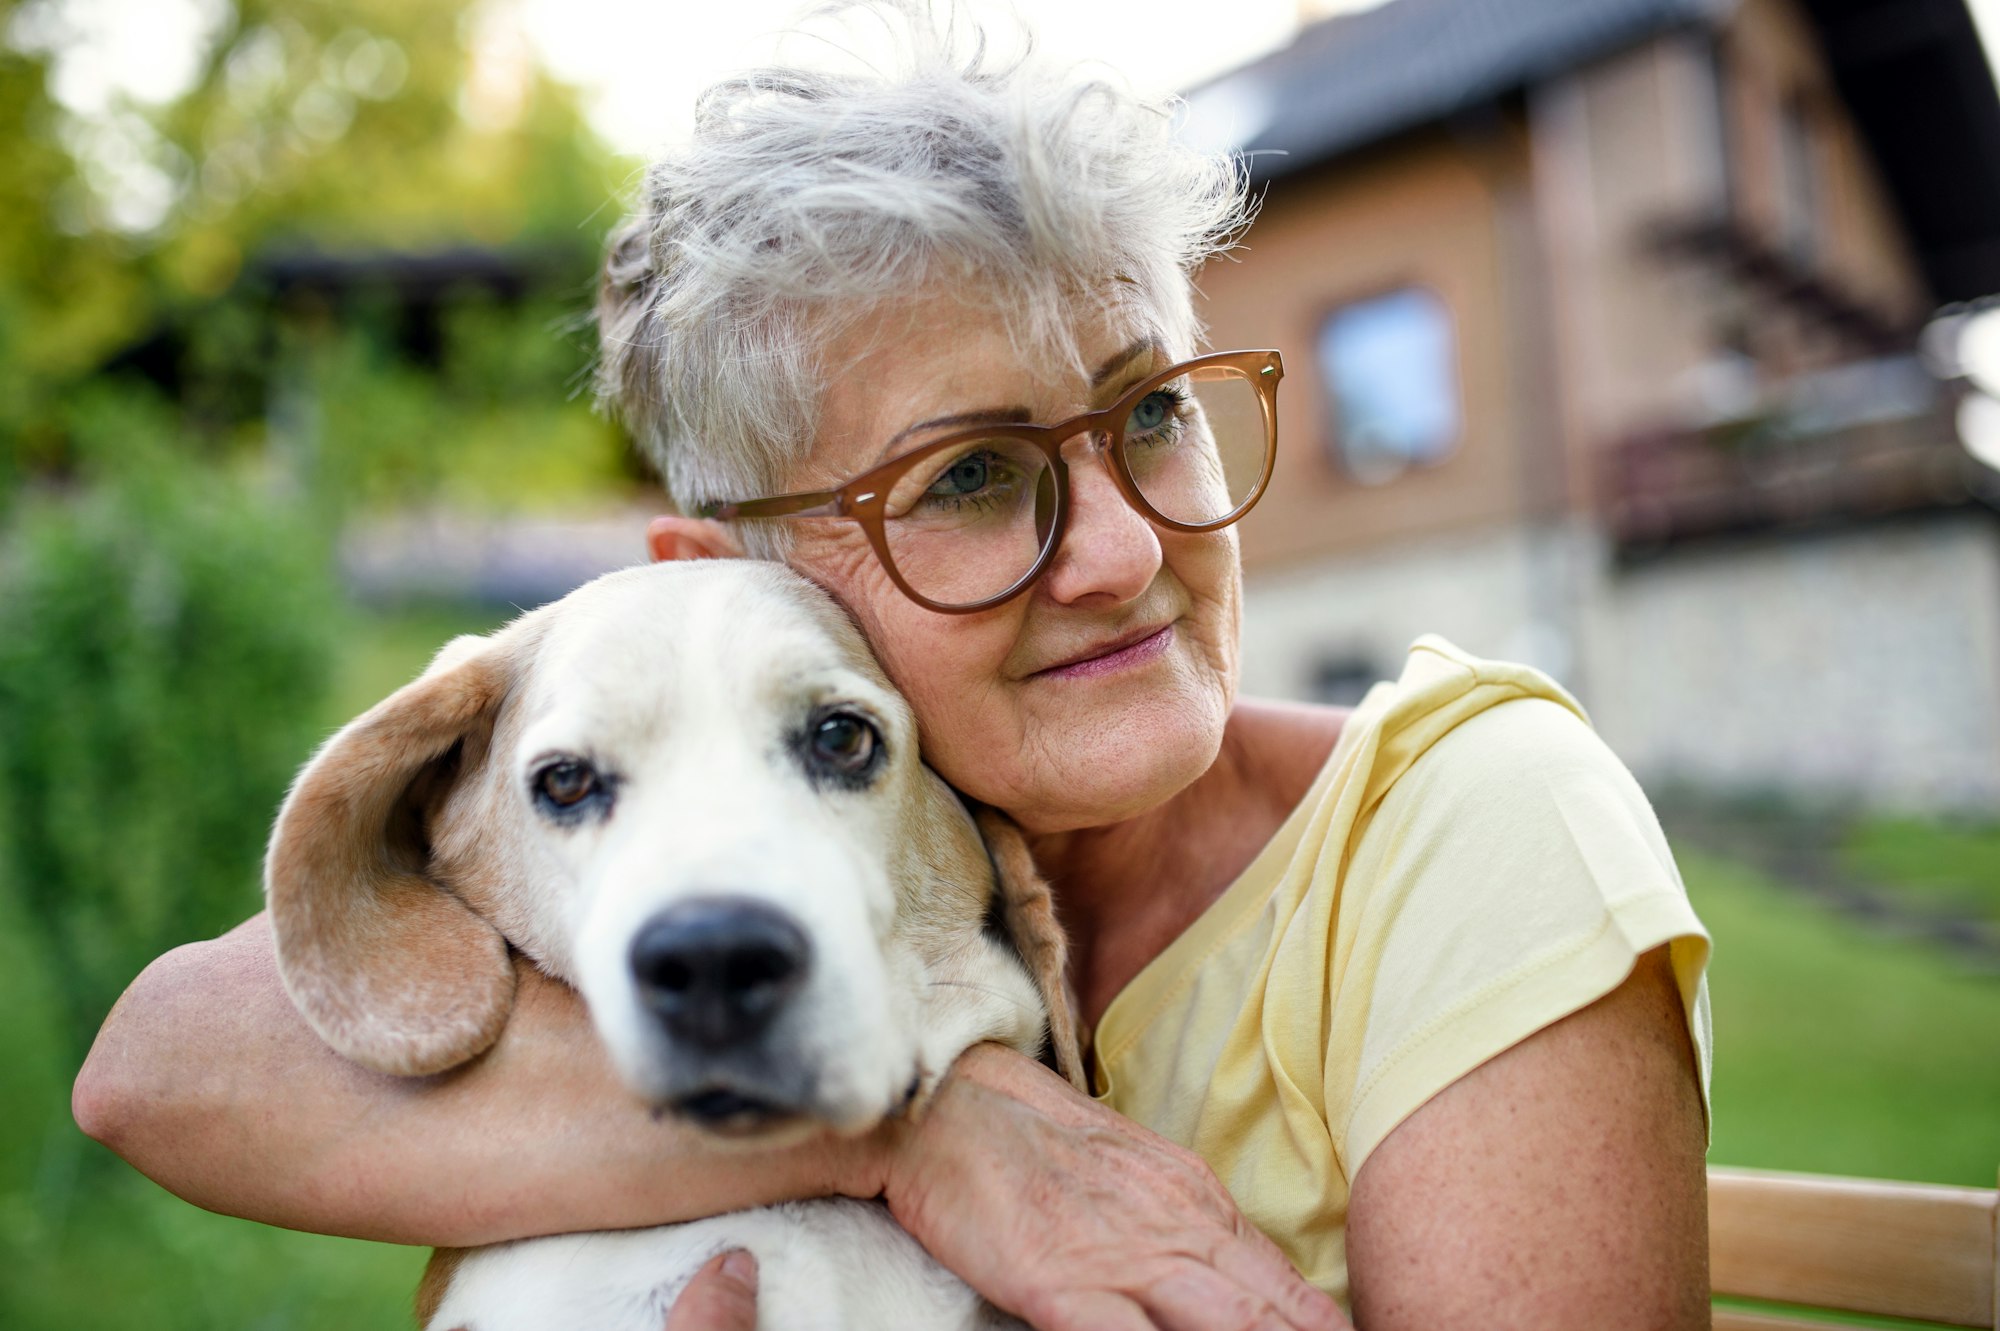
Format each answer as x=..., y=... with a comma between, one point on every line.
x=86, y=1244
x=1952, y=867
x=1836, y=1051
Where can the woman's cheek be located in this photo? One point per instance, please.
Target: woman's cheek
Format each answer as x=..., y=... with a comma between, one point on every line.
x=1210, y=568
x=843, y=564
x=948, y=668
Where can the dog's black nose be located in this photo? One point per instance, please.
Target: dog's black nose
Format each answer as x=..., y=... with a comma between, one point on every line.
x=716, y=972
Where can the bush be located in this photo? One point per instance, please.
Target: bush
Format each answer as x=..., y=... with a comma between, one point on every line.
x=165, y=640
x=497, y=423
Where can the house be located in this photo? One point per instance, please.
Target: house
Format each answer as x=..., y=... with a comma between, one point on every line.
x=1603, y=321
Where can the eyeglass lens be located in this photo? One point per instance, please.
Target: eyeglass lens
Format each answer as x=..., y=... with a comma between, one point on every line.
x=968, y=523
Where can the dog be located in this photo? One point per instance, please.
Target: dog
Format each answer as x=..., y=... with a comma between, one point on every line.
x=689, y=791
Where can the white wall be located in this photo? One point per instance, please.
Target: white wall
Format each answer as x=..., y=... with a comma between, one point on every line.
x=1865, y=663
x=1858, y=665
x=1508, y=593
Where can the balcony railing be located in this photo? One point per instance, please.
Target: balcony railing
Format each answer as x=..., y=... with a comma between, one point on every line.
x=1663, y=488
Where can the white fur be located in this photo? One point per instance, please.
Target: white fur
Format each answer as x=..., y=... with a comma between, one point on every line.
x=822, y=1266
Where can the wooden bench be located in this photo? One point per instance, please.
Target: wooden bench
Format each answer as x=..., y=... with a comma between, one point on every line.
x=1913, y=1250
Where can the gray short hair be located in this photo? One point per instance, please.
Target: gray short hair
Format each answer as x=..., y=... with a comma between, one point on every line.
x=806, y=200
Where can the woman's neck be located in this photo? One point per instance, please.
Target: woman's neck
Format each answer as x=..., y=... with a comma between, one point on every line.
x=1125, y=891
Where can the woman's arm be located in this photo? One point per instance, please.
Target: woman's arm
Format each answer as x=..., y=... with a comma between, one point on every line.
x=208, y=1081
x=1560, y=1184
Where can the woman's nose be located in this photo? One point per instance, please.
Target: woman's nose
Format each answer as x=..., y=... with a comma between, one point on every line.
x=1109, y=552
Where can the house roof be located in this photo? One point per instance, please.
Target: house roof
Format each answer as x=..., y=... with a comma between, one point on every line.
x=1351, y=81
x=1912, y=72
x=1916, y=80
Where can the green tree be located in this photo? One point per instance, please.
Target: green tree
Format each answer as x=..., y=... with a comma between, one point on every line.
x=367, y=125
x=168, y=624
x=67, y=294
x=164, y=594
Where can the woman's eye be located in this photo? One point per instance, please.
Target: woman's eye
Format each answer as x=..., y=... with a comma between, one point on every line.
x=566, y=784
x=982, y=480
x=1155, y=409
x=965, y=476
x=844, y=742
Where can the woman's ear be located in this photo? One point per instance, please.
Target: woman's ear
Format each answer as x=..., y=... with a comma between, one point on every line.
x=386, y=964
x=671, y=536
x=1028, y=912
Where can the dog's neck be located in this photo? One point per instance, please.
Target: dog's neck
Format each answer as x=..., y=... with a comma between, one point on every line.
x=973, y=991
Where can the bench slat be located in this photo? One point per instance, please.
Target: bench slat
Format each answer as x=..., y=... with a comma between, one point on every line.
x=1861, y=1245
x=1733, y=1319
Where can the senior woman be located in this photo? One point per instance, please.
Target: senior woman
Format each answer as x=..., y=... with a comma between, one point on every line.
x=1417, y=982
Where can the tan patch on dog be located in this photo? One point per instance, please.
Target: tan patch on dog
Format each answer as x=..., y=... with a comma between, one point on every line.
x=438, y=1273
x=1028, y=910
x=389, y=967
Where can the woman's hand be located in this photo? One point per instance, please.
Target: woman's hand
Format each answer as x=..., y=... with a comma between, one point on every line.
x=721, y=1297
x=1073, y=1217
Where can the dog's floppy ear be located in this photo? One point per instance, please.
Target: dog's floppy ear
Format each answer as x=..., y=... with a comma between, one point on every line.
x=389, y=967
x=1028, y=912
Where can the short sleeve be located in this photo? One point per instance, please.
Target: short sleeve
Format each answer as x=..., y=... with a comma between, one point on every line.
x=1512, y=875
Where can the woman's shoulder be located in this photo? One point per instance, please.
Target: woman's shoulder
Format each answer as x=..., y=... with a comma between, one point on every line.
x=1513, y=739
x=1458, y=749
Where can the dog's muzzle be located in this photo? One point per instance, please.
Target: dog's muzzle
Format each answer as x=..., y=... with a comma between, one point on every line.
x=718, y=971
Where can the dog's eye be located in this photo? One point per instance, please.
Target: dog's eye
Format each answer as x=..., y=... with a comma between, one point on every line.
x=566, y=784
x=844, y=742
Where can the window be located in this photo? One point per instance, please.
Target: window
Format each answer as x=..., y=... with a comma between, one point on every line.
x=1390, y=368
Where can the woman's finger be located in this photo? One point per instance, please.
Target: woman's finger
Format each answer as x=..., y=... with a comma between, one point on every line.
x=1197, y=1297
x=1076, y=1219
x=1092, y=1310
x=1254, y=1262
x=721, y=1297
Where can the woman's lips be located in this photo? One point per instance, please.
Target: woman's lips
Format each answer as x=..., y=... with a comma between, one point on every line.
x=1134, y=653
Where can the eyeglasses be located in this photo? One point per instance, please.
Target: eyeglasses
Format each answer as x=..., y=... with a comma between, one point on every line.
x=970, y=520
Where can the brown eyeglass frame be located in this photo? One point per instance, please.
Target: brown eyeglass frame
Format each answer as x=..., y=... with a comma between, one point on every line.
x=864, y=498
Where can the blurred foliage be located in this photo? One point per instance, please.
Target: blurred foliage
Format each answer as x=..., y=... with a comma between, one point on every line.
x=165, y=639
x=390, y=648
x=89, y=1248
x=154, y=238
x=341, y=268
x=492, y=424
x=66, y=299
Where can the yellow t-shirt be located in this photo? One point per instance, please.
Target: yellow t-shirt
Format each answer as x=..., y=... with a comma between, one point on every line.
x=1471, y=865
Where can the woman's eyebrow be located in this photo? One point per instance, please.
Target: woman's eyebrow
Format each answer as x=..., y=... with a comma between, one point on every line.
x=985, y=416
x=1143, y=346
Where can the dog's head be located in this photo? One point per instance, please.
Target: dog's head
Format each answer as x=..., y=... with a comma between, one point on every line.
x=690, y=791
